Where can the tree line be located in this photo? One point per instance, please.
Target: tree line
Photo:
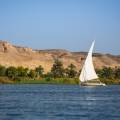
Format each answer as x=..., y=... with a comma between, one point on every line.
x=57, y=71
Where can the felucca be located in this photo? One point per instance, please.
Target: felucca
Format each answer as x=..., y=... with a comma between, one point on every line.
x=88, y=76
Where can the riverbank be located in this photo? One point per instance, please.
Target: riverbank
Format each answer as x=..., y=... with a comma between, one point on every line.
x=72, y=81
x=69, y=81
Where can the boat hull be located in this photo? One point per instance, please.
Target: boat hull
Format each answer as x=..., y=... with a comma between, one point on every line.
x=92, y=84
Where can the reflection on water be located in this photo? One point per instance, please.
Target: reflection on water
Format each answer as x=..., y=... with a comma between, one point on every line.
x=59, y=102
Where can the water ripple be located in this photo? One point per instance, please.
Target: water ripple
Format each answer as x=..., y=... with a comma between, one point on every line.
x=59, y=102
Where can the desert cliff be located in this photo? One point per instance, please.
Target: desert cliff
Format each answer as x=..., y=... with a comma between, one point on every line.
x=11, y=55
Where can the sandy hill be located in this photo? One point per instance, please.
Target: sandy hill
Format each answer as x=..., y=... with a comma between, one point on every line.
x=11, y=55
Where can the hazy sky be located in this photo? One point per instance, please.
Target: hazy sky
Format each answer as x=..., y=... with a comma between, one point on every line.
x=62, y=24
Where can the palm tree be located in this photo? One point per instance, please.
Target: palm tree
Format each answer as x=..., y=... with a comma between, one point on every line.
x=57, y=69
x=39, y=70
x=71, y=71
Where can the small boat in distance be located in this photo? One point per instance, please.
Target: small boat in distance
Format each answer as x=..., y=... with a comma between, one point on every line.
x=88, y=76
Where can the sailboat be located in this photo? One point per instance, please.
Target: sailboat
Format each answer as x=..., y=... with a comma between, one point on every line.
x=88, y=76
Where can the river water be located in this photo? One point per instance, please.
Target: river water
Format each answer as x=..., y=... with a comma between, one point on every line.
x=59, y=102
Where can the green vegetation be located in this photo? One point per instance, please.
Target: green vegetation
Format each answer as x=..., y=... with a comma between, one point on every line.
x=39, y=70
x=57, y=75
x=66, y=81
x=71, y=71
x=57, y=70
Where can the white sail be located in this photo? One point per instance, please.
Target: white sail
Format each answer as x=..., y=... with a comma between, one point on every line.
x=88, y=71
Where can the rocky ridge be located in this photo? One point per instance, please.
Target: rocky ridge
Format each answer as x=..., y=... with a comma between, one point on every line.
x=11, y=55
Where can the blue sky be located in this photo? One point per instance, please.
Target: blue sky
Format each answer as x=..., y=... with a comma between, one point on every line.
x=62, y=24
